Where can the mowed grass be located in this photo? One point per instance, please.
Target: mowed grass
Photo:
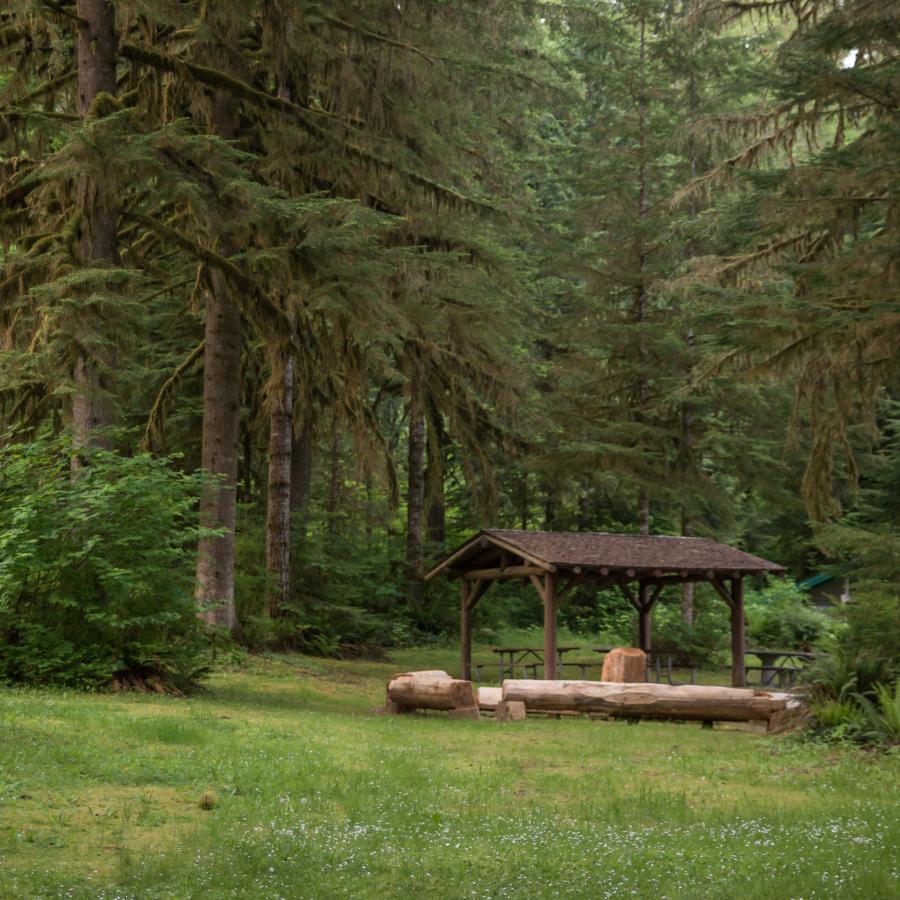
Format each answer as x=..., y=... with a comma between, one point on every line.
x=318, y=797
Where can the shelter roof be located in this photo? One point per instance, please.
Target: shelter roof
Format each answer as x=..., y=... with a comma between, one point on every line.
x=554, y=550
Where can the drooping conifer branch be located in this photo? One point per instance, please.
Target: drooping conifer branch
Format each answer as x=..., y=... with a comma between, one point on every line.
x=154, y=433
x=222, y=80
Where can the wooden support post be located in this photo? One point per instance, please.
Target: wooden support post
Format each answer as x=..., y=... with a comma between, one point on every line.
x=738, y=672
x=645, y=613
x=465, y=629
x=550, y=626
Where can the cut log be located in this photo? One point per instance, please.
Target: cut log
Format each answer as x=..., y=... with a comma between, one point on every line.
x=625, y=665
x=656, y=701
x=431, y=693
x=510, y=711
x=489, y=697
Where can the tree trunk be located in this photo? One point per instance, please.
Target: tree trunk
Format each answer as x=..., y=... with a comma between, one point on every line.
x=687, y=595
x=643, y=512
x=694, y=702
x=524, y=502
x=687, y=408
x=278, y=507
x=436, y=518
x=301, y=472
x=550, y=508
x=335, y=478
x=415, y=491
x=221, y=387
x=245, y=442
x=641, y=250
x=96, y=62
x=221, y=421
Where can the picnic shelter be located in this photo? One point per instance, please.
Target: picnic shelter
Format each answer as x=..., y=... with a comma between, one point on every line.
x=639, y=565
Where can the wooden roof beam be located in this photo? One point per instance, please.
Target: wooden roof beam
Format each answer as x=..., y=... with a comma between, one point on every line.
x=498, y=573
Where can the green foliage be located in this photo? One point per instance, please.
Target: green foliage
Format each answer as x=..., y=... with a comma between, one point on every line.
x=882, y=714
x=855, y=691
x=346, y=601
x=780, y=616
x=695, y=644
x=873, y=627
x=605, y=612
x=96, y=568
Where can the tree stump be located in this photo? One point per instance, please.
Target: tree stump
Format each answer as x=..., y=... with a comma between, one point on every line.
x=625, y=665
x=510, y=711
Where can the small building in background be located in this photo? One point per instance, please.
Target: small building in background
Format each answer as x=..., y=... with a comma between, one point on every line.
x=826, y=589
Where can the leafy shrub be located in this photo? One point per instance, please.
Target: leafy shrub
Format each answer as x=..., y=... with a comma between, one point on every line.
x=873, y=628
x=586, y=611
x=838, y=719
x=780, y=615
x=696, y=644
x=854, y=694
x=882, y=714
x=96, y=571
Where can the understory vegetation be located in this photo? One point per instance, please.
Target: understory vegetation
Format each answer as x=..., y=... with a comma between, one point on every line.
x=96, y=570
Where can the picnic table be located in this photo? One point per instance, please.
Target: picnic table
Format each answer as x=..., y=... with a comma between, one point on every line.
x=528, y=656
x=778, y=664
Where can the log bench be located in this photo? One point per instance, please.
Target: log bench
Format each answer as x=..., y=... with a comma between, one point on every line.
x=703, y=703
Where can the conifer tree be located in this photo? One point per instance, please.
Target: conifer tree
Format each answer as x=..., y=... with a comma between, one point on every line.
x=810, y=274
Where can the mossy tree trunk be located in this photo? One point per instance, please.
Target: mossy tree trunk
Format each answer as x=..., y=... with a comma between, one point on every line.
x=221, y=424
x=415, y=489
x=278, y=506
x=96, y=66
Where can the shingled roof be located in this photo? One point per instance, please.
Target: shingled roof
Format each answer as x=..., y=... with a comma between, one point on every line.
x=594, y=550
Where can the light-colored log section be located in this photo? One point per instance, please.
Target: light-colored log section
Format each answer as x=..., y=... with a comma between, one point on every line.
x=489, y=697
x=417, y=691
x=659, y=701
x=625, y=665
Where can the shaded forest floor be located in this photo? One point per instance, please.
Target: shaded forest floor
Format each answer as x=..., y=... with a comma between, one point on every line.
x=317, y=797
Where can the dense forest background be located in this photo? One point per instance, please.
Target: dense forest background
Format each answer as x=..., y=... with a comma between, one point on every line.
x=295, y=295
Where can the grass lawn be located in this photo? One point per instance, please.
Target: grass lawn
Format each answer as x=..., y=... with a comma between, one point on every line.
x=317, y=797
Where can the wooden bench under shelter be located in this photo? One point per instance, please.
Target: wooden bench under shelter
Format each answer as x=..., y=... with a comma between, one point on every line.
x=641, y=566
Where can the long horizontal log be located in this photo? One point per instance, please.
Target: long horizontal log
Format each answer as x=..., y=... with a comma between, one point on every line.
x=660, y=701
x=417, y=692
